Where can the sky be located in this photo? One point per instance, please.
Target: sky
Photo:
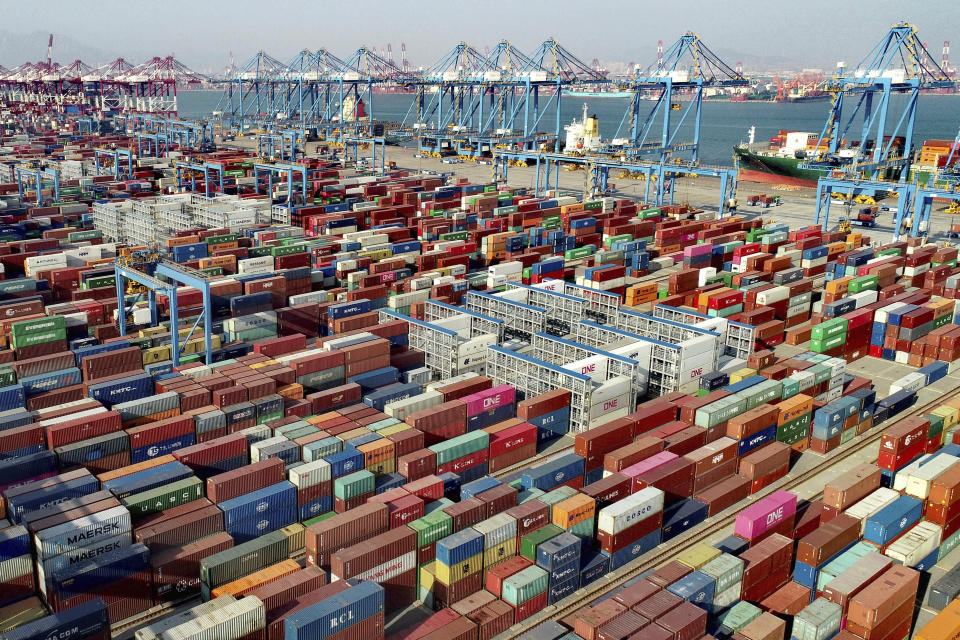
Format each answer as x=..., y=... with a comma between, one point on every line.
x=202, y=33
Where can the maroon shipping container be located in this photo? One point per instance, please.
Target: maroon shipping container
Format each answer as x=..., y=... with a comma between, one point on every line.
x=495, y=575
x=181, y=530
x=764, y=461
x=246, y=479
x=460, y=465
x=428, y=487
x=611, y=543
x=725, y=493
x=685, y=441
x=512, y=438
x=512, y=457
x=636, y=593
x=588, y=621
x=406, y=442
x=446, y=595
x=176, y=571
x=492, y=619
x=167, y=429
x=466, y=513
x=808, y=518
x=641, y=449
x=765, y=558
x=595, y=443
x=498, y=499
x=530, y=607
x=111, y=363
x=78, y=429
x=622, y=627
x=18, y=588
x=336, y=397
x=653, y=414
x=668, y=574
x=44, y=364
x=73, y=514
x=56, y=397
x=29, y=435
x=530, y=516
x=435, y=418
x=686, y=621
x=472, y=603
x=174, y=512
x=393, y=553
x=275, y=594
x=458, y=390
x=828, y=540
x=124, y=598
x=674, y=478
x=416, y=465
x=717, y=474
x=418, y=630
x=340, y=531
x=712, y=455
x=460, y=629
x=543, y=404
x=216, y=450
x=658, y=604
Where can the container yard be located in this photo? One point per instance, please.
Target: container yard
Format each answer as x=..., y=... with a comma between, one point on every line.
x=291, y=394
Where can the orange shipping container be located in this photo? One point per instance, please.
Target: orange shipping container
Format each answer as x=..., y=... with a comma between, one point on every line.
x=573, y=510
x=245, y=585
x=944, y=626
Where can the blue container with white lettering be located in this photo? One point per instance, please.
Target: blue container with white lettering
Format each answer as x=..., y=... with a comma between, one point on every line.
x=259, y=503
x=757, y=440
x=50, y=496
x=631, y=551
x=336, y=613
x=554, y=473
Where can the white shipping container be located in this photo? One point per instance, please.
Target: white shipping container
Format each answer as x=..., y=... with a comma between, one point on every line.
x=263, y=264
x=594, y=367
x=497, y=530
x=306, y=298
x=917, y=482
x=72, y=416
x=916, y=544
x=624, y=513
x=256, y=447
x=871, y=504
x=153, y=631
x=231, y=622
x=704, y=275
x=770, y=296
x=310, y=474
x=910, y=382
x=728, y=597
x=612, y=388
x=46, y=261
x=400, y=409
x=616, y=405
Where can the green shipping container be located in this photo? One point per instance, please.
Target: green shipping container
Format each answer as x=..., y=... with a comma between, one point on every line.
x=826, y=344
x=863, y=283
x=432, y=527
x=740, y=615
x=81, y=236
x=829, y=329
x=7, y=376
x=227, y=237
x=287, y=251
x=623, y=237
x=455, y=235
x=244, y=559
x=530, y=542
x=353, y=485
x=582, y=252
x=37, y=325
x=460, y=446
x=259, y=252
x=100, y=281
x=320, y=518
x=525, y=585
x=31, y=339
x=165, y=497
x=593, y=205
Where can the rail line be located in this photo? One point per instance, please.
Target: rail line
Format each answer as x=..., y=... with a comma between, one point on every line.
x=713, y=525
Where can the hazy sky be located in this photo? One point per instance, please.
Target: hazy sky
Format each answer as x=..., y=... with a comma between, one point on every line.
x=202, y=32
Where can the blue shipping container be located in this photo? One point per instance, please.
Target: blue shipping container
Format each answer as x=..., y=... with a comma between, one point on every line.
x=259, y=503
x=336, y=613
x=459, y=547
x=87, y=620
x=892, y=520
x=554, y=473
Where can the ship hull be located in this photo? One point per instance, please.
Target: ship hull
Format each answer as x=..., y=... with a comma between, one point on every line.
x=774, y=169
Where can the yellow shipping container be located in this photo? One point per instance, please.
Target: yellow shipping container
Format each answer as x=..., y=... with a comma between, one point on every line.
x=499, y=553
x=698, y=555
x=449, y=575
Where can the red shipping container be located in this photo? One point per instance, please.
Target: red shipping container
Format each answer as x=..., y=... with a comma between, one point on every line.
x=595, y=443
x=512, y=438
x=429, y=487
x=496, y=575
x=466, y=462
x=608, y=490
x=84, y=428
x=161, y=430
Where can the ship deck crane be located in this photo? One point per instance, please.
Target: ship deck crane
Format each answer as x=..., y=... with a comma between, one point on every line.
x=898, y=64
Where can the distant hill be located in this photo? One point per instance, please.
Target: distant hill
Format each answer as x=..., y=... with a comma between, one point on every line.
x=17, y=48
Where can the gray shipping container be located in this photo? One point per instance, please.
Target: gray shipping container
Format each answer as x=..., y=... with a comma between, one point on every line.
x=82, y=532
x=244, y=559
x=148, y=406
x=231, y=622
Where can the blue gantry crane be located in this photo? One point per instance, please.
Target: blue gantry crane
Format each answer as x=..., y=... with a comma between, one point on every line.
x=146, y=268
x=681, y=74
x=115, y=158
x=862, y=106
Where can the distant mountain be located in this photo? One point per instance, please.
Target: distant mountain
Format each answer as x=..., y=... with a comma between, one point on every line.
x=17, y=48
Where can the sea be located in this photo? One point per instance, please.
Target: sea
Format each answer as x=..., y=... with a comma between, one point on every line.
x=723, y=123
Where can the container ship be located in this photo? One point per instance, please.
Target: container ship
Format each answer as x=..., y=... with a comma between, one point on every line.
x=457, y=408
x=780, y=160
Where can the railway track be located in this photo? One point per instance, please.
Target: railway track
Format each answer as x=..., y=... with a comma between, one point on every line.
x=713, y=525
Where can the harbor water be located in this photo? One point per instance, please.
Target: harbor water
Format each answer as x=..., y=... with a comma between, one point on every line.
x=727, y=123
